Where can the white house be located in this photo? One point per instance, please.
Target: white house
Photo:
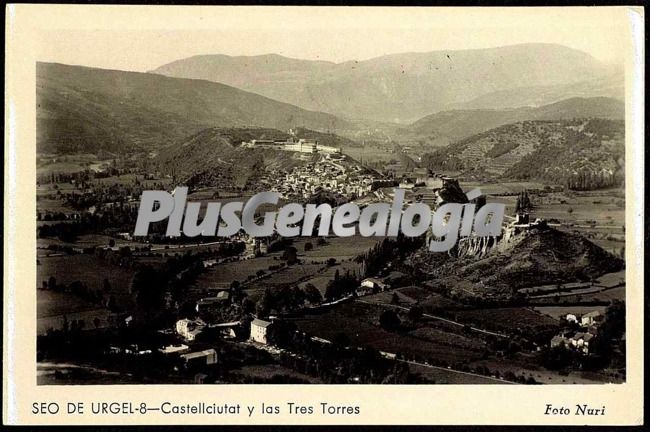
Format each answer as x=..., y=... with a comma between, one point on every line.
x=373, y=283
x=586, y=340
x=259, y=329
x=578, y=340
x=558, y=340
x=189, y=329
x=591, y=318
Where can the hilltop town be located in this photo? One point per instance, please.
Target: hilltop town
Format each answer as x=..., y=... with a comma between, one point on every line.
x=542, y=302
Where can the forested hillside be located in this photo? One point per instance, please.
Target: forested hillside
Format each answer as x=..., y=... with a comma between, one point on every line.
x=580, y=154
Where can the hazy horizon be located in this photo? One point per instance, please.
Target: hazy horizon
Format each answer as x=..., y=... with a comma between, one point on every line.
x=328, y=34
x=104, y=65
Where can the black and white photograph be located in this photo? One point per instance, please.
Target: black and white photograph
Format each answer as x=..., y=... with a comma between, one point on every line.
x=323, y=215
x=345, y=131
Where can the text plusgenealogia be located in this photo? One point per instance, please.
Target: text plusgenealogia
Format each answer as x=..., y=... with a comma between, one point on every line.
x=447, y=222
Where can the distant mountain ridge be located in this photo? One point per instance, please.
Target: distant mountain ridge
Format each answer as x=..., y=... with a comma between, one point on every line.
x=88, y=109
x=407, y=86
x=458, y=124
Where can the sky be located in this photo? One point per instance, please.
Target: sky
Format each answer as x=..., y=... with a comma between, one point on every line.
x=140, y=40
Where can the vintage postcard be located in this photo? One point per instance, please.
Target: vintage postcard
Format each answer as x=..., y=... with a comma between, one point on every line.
x=323, y=215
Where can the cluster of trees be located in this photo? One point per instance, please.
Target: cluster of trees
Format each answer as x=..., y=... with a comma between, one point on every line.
x=590, y=179
x=62, y=177
x=523, y=202
x=340, y=286
x=601, y=347
x=386, y=251
x=101, y=296
x=336, y=362
x=284, y=299
x=117, y=218
x=72, y=342
x=53, y=216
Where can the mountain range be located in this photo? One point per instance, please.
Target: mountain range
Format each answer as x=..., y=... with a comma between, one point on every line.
x=459, y=124
x=81, y=109
x=408, y=86
x=582, y=154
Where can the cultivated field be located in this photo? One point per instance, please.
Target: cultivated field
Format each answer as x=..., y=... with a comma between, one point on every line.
x=266, y=372
x=356, y=321
x=445, y=376
x=53, y=306
x=558, y=312
x=507, y=319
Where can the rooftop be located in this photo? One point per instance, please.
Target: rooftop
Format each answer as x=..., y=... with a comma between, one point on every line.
x=260, y=323
x=199, y=354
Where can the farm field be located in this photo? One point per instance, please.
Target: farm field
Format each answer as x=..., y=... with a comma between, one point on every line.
x=501, y=187
x=53, y=306
x=223, y=274
x=506, y=319
x=77, y=374
x=336, y=247
x=291, y=274
x=370, y=153
x=558, y=312
x=267, y=372
x=87, y=269
x=63, y=167
x=45, y=203
x=540, y=374
x=88, y=240
x=322, y=279
x=87, y=316
x=442, y=376
x=84, y=268
x=354, y=320
x=604, y=295
x=126, y=179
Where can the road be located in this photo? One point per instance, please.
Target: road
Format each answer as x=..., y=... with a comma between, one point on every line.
x=276, y=351
x=487, y=332
x=456, y=371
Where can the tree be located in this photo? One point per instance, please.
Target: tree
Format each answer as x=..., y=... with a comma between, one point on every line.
x=111, y=243
x=415, y=313
x=556, y=358
x=247, y=305
x=394, y=299
x=51, y=283
x=308, y=246
x=106, y=286
x=264, y=304
x=290, y=255
x=149, y=286
x=111, y=304
x=389, y=320
x=341, y=339
x=312, y=294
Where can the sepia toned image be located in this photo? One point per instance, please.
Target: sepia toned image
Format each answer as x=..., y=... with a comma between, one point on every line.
x=537, y=126
x=213, y=212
